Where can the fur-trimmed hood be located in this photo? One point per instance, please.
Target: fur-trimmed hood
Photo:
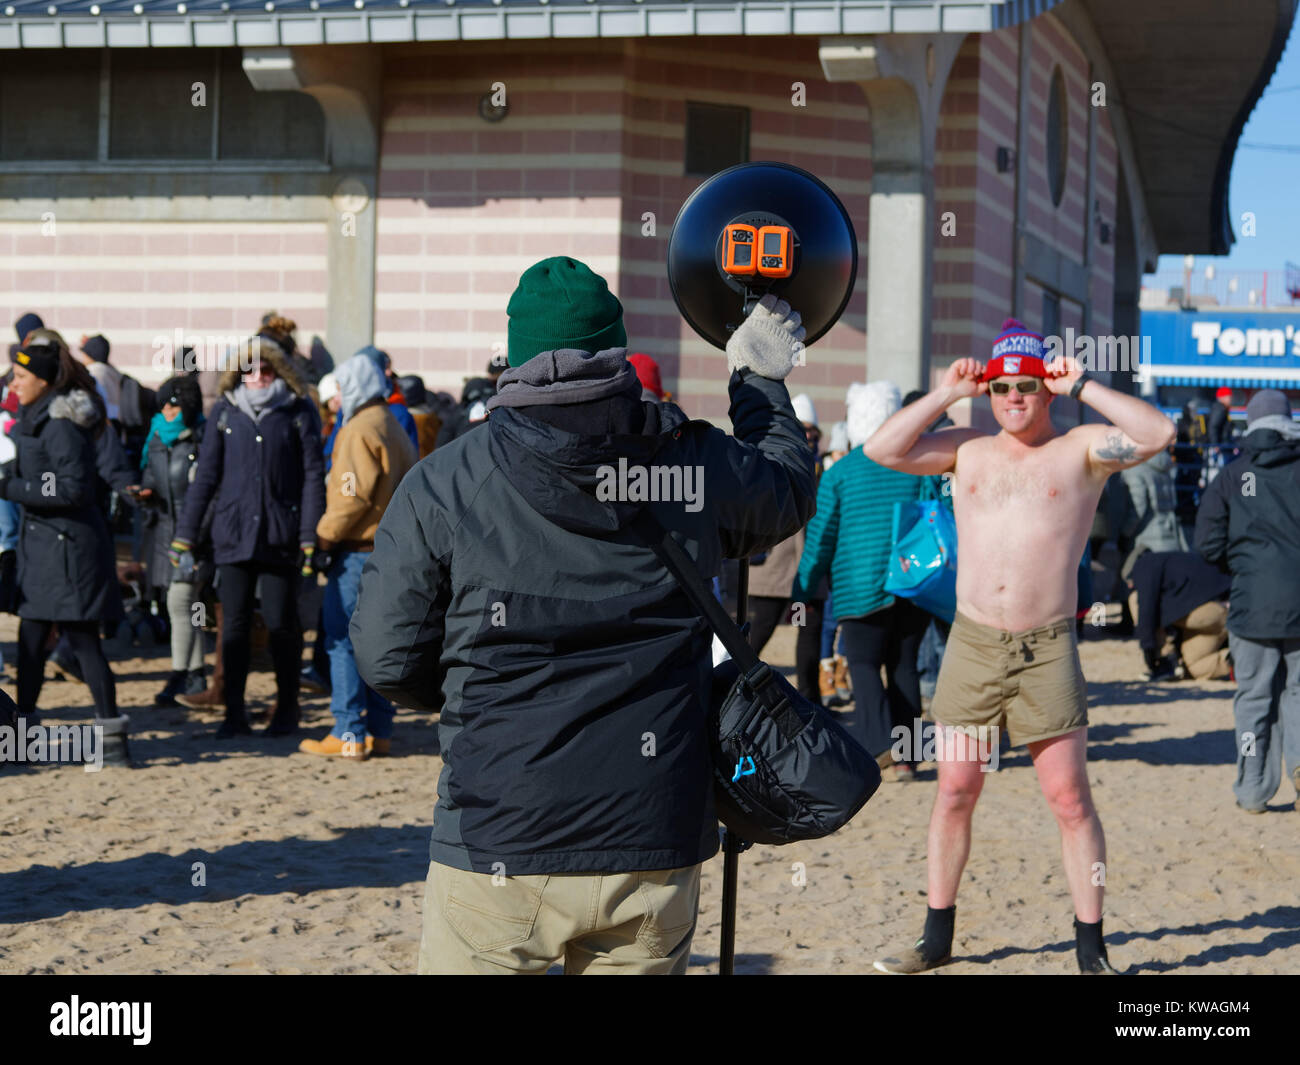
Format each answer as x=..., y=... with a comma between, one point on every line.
x=78, y=406
x=273, y=354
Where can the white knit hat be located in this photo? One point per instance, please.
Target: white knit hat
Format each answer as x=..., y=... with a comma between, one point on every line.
x=839, y=437
x=804, y=409
x=327, y=388
x=870, y=406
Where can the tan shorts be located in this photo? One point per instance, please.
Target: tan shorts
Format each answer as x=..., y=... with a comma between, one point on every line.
x=1028, y=683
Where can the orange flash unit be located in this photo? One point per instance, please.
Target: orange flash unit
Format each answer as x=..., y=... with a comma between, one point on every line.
x=740, y=250
x=774, y=251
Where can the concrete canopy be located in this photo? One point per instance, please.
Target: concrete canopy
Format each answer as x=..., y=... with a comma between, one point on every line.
x=1190, y=72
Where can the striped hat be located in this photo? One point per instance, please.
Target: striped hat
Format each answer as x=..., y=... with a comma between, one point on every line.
x=1016, y=351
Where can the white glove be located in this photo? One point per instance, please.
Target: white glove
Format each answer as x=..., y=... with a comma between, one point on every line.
x=768, y=341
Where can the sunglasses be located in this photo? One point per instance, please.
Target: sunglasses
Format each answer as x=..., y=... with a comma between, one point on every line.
x=1025, y=388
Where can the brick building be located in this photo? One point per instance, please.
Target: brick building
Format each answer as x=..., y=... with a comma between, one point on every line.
x=385, y=170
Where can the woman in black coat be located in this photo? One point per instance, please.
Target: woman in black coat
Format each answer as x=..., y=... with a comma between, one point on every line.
x=170, y=461
x=262, y=470
x=66, y=569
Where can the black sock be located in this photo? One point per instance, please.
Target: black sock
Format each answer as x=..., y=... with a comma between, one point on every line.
x=936, y=940
x=1088, y=946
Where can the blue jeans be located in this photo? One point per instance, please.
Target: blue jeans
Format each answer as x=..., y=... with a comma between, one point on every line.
x=9, y=525
x=829, y=625
x=351, y=697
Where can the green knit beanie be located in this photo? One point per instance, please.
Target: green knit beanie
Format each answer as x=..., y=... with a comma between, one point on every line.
x=560, y=303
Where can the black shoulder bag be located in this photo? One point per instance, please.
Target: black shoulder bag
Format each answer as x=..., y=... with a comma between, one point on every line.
x=784, y=769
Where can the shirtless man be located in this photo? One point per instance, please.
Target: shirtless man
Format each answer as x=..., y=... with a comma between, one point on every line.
x=1024, y=502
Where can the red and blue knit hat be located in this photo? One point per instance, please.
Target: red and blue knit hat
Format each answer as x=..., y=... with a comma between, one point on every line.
x=1016, y=351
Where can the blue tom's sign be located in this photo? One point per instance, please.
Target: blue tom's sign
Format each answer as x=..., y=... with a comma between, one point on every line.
x=1241, y=349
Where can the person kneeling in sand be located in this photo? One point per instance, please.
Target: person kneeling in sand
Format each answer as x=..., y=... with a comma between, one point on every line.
x=1024, y=501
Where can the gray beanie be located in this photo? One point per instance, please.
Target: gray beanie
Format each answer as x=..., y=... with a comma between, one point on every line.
x=1265, y=403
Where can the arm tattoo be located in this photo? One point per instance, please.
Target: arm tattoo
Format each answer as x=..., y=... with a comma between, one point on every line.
x=1116, y=450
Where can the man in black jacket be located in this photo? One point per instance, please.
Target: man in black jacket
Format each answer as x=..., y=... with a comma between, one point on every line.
x=1249, y=521
x=575, y=802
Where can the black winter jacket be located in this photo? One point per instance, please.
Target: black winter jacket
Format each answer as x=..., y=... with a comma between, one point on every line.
x=167, y=474
x=575, y=672
x=66, y=568
x=265, y=480
x=1249, y=523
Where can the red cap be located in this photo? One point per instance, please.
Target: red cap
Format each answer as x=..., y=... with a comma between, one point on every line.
x=647, y=372
x=1223, y=393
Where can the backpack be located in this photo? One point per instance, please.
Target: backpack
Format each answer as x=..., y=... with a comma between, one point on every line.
x=137, y=405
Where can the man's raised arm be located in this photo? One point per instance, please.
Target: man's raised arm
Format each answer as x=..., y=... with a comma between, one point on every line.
x=902, y=442
x=1138, y=431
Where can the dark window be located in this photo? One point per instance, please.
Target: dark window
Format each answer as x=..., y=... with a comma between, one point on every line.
x=716, y=137
x=50, y=109
x=266, y=125
x=151, y=109
x=1051, y=314
x=1058, y=137
x=49, y=104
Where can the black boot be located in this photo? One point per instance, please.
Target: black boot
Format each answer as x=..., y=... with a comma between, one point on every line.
x=113, y=745
x=235, y=724
x=174, y=686
x=284, y=722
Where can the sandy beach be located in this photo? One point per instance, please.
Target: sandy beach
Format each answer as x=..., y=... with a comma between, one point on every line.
x=248, y=857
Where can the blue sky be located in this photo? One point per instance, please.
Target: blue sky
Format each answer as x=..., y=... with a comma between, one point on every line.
x=1265, y=182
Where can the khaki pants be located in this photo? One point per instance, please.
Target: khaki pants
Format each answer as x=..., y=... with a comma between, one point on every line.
x=598, y=924
x=1205, y=641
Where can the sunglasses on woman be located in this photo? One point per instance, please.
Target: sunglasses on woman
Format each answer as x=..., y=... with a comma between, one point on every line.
x=1025, y=388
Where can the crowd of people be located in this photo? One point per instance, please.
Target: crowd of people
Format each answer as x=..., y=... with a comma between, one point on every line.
x=249, y=493
x=480, y=575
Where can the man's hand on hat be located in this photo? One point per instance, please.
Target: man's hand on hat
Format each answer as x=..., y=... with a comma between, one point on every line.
x=768, y=341
x=963, y=379
x=1062, y=372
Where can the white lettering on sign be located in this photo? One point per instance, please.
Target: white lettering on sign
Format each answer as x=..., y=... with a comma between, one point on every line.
x=1265, y=342
x=1204, y=333
x=1232, y=342
x=1213, y=339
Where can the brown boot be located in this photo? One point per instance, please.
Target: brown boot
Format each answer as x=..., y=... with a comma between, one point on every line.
x=843, y=686
x=826, y=681
x=215, y=696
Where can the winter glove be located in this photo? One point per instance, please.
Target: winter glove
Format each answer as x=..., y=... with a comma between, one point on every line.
x=305, y=557
x=182, y=559
x=322, y=561
x=768, y=341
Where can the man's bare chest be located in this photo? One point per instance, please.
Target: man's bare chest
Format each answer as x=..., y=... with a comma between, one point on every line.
x=1045, y=481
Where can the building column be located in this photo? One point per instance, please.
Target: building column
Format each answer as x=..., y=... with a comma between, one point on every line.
x=903, y=77
x=346, y=84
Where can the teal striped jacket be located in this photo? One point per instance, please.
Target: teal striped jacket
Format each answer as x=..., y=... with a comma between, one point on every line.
x=849, y=536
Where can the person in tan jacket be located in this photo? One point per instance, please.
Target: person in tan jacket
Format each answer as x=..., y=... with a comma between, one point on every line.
x=372, y=453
